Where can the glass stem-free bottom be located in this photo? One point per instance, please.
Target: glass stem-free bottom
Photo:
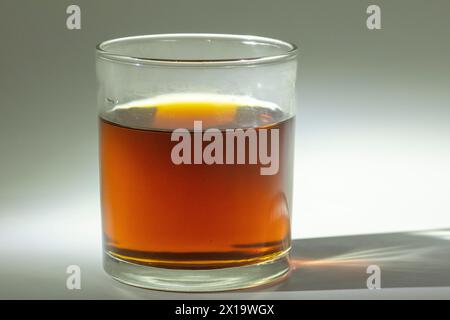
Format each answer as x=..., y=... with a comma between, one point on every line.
x=195, y=280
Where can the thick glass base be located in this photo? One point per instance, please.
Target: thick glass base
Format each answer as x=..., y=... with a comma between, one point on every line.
x=196, y=280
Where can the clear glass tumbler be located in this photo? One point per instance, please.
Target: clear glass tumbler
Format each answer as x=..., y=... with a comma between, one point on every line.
x=196, y=159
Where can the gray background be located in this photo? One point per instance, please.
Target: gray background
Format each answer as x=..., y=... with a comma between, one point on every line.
x=373, y=135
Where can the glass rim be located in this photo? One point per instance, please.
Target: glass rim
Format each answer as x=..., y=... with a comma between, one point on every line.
x=290, y=52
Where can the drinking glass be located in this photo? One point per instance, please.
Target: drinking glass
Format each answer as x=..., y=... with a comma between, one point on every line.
x=196, y=159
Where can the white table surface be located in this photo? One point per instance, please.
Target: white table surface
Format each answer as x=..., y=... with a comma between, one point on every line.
x=413, y=265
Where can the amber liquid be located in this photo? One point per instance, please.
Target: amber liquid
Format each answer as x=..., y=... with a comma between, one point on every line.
x=191, y=216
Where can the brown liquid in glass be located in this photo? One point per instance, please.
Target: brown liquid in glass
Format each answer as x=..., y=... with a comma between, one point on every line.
x=195, y=216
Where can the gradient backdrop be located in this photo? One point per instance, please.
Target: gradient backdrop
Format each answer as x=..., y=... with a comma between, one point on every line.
x=373, y=117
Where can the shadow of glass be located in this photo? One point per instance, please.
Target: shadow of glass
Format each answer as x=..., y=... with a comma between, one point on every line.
x=407, y=259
